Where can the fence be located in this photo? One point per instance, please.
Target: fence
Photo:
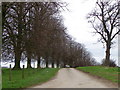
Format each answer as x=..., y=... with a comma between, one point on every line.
x=10, y=72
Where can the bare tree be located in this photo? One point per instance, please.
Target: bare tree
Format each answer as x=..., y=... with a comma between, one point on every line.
x=104, y=19
x=14, y=29
x=35, y=30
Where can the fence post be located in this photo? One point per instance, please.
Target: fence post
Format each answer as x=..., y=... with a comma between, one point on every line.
x=10, y=76
x=23, y=72
x=34, y=64
x=34, y=67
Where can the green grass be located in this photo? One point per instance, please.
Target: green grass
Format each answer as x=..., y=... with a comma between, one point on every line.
x=32, y=77
x=109, y=73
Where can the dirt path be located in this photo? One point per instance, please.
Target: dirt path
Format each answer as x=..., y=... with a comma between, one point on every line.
x=72, y=78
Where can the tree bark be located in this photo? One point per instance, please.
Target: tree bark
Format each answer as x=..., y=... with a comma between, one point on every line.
x=17, y=48
x=29, y=62
x=17, y=59
x=47, y=63
x=107, y=57
x=52, y=64
x=38, y=65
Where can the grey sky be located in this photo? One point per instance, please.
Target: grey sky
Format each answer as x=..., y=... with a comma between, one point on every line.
x=78, y=27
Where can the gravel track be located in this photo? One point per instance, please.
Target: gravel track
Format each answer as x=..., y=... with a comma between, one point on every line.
x=72, y=78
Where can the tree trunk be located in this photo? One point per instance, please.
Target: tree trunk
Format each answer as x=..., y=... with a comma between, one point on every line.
x=64, y=66
x=52, y=64
x=47, y=63
x=29, y=62
x=57, y=64
x=38, y=65
x=107, y=57
x=17, y=59
x=17, y=48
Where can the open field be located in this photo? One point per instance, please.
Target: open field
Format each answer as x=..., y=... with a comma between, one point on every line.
x=31, y=77
x=109, y=73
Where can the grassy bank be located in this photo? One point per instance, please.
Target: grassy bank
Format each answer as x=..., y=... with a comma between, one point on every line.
x=109, y=73
x=31, y=77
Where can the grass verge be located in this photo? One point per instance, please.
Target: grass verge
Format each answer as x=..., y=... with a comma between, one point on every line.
x=109, y=73
x=31, y=77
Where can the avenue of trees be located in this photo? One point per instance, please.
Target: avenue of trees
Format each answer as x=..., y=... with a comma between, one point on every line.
x=105, y=19
x=35, y=30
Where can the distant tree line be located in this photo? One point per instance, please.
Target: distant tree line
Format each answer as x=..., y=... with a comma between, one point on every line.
x=35, y=30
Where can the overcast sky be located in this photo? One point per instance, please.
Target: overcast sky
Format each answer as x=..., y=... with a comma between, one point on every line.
x=78, y=27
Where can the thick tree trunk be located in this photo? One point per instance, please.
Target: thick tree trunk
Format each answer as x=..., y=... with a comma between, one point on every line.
x=52, y=64
x=38, y=65
x=47, y=63
x=107, y=57
x=17, y=47
x=29, y=62
x=17, y=60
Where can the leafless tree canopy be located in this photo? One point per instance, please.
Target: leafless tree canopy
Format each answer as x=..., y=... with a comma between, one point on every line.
x=36, y=30
x=105, y=21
